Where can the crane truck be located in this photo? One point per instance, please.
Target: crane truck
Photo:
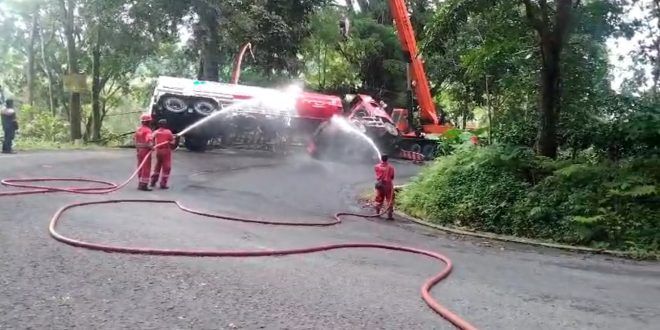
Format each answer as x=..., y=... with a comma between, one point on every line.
x=410, y=135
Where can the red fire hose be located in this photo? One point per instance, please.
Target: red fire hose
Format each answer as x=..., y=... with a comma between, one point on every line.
x=105, y=187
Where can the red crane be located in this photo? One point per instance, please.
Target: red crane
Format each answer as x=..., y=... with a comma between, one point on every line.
x=417, y=80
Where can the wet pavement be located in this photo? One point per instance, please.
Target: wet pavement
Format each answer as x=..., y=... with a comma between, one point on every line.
x=46, y=284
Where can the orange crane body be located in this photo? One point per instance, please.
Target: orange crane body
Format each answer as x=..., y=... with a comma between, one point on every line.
x=417, y=80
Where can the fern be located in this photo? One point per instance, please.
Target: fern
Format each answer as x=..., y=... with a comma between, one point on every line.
x=636, y=191
x=508, y=190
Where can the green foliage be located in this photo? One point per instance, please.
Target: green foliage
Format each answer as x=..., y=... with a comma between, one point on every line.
x=376, y=52
x=632, y=128
x=510, y=191
x=472, y=188
x=40, y=125
x=278, y=30
x=477, y=44
x=325, y=67
x=370, y=61
x=452, y=140
x=474, y=43
x=604, y=205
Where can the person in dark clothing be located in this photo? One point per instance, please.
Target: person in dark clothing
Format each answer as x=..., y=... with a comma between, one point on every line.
x=9, y=126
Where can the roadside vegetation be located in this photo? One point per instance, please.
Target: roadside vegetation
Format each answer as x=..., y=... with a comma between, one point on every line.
x=508, y=190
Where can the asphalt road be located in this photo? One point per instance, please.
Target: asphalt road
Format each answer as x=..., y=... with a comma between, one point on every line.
x=47, y=285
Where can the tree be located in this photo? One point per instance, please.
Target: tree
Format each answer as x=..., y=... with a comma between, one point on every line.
x=34, y=32
x=552, y=29
x=323, y=39
x=646, y=56
x=490, y=41
x=326, y=70
x=46, y=67
x=652, y=47
x=67, y=8
x=376, y=52
x=117, y=46
x=277, y=30
x=21, y=31
x=208, y=38
x=487, y=61
x=482, y=57
x=420, y=15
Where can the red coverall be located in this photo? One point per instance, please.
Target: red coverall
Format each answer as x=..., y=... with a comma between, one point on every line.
x=163, y=156
x=143, y=147
x=385, y=175
x=474, y=139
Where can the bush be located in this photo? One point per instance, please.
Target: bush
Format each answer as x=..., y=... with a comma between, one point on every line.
x=451, y=140
x=605, y=205
x=41, y=125
x=472, y=188
x=508, y=190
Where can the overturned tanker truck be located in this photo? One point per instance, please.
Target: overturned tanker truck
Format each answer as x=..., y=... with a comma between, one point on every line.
x=255, y=118
x=260, y=118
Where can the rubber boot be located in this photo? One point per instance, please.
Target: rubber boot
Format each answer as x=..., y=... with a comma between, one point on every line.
x=164, y=186
x=390, y=215
x=143, y=187
x=153, y=183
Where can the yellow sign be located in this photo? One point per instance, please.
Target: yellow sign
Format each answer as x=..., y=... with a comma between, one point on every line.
x=75, y=83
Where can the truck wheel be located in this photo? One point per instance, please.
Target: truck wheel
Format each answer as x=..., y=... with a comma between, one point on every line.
x=416, y=148
x=174, y=104
x=429, y=151
x=196, y=144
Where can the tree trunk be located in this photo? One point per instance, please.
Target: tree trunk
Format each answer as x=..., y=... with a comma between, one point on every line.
x=96, y=88
x=464, y=111
x=490, y=112
x=552, y=38
x=31, y=55
x=210, y=42
x=200, y=67
x=324, y=65
x=550, y=106
x=364, y=5
x=349, y=6
x=655, y=9
x=88, y=128
x=74, y=100
x=49, y=74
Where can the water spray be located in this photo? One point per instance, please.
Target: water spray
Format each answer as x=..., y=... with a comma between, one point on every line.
x=345, y=126
x=275, y=102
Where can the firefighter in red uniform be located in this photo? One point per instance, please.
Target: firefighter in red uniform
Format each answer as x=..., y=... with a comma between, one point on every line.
x=385, y=186
x=163, y=154
x=474, y=140
x=143, y=146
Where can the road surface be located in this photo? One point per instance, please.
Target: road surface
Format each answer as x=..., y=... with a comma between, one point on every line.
x=48, y=285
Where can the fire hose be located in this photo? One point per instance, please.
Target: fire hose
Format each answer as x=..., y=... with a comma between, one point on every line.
x=31, y=186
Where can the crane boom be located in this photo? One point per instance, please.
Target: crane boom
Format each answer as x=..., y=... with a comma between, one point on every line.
x=418, y=79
